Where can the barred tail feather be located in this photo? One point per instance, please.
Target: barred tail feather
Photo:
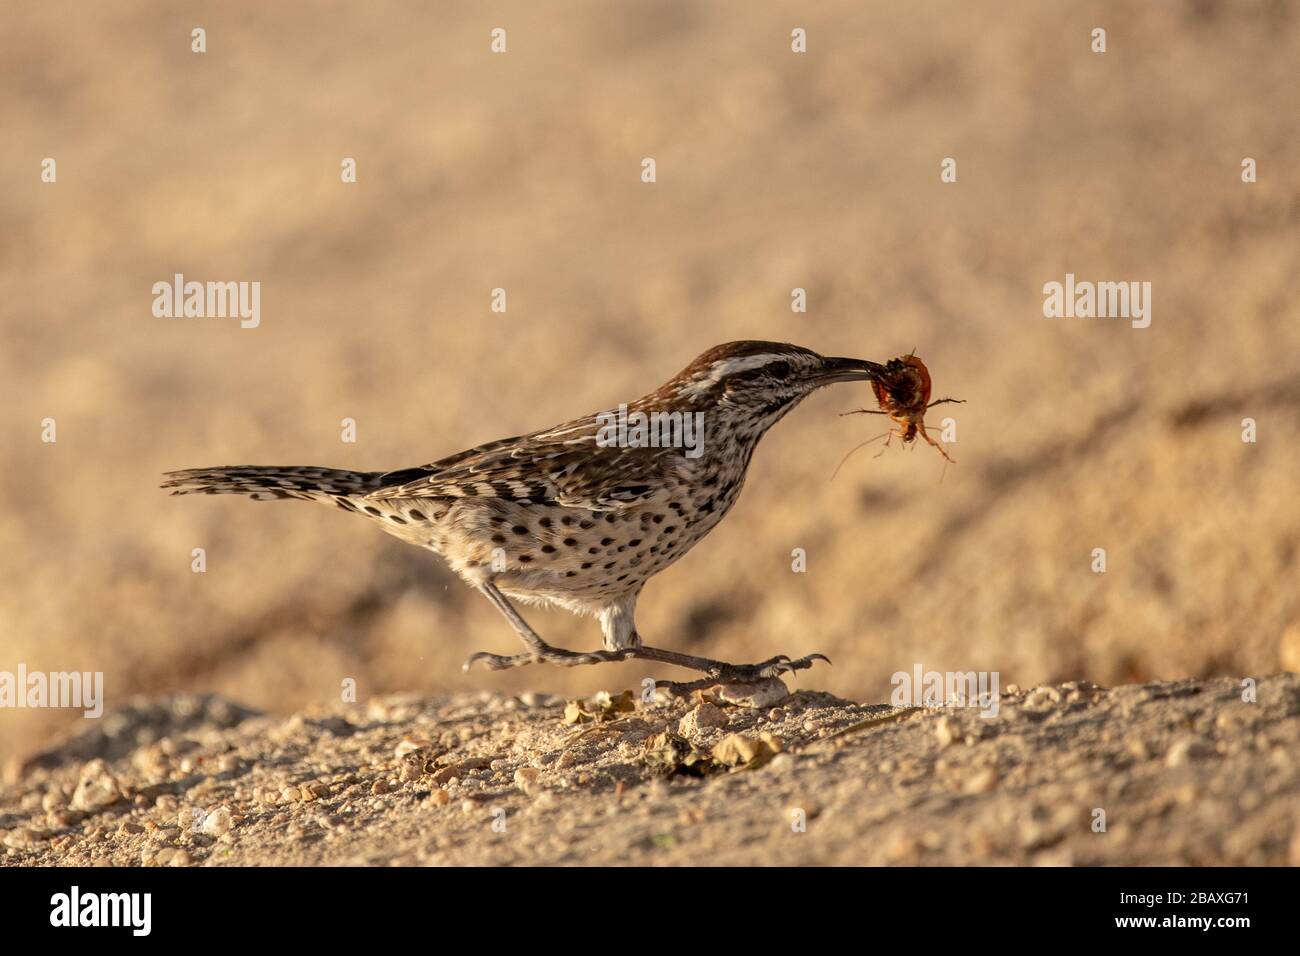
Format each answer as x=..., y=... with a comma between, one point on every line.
x=267, y=482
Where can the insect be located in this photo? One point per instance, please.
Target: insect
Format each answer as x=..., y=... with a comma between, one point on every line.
x=904, y=395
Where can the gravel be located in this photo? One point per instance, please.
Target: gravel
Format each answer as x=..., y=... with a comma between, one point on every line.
x=1172, y=773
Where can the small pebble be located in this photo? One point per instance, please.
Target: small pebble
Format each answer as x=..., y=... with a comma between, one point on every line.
x=527, y=780
x=216, y=821
x=947, y=731
x=981, y=781
x=1183, y=750
x=313, y=791
x=96, y=788
x=409, y=746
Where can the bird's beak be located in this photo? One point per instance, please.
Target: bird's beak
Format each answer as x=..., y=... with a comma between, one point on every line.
x=848, y=370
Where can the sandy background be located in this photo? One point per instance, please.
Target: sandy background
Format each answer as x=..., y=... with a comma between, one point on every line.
x=775, y=170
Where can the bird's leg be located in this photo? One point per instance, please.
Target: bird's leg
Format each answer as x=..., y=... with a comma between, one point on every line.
x=538, y=649
x=721, y=670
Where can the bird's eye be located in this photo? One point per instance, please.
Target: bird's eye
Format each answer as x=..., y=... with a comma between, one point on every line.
x=779, y=369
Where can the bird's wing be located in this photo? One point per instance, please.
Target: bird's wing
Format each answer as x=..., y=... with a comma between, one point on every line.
x=563, y=466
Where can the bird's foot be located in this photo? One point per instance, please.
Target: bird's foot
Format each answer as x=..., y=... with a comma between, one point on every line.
x=750, y=673
x=547, y=655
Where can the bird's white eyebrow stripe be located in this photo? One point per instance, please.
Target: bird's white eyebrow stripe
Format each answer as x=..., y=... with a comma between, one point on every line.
x=724, y=367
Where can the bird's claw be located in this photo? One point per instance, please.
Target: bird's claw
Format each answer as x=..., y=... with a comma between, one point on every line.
x=781, y=664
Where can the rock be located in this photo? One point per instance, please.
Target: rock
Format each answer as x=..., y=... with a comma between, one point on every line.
x=96, y=788
x=754, y=696
x=440, y=798
x=705, y=716
x=446, y=775
x=315, y=790
x=737, y=751
x=216, y=821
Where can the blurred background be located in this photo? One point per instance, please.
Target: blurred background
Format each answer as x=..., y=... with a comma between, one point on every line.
x=775, y=171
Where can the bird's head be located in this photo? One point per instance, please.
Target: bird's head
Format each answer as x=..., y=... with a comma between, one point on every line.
x=763, y=379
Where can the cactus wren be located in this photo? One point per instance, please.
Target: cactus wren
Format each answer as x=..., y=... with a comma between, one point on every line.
x=568, y=517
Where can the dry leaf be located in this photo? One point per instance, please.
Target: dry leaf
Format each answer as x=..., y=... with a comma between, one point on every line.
x=671, y=754
x=599, y=707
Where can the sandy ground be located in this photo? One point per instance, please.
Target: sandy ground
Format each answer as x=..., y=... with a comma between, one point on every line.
x=775, y=171
x=1169, y=774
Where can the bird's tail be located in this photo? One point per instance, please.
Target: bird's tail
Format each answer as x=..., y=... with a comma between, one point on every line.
x=266, y=482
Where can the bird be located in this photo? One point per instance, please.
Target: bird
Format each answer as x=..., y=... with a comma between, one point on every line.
x=581, y=515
